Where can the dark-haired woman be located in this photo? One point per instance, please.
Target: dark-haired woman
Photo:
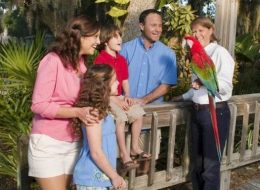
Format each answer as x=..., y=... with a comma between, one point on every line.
x=53, y=147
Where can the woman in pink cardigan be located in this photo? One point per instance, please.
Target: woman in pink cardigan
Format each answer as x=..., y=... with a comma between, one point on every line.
x=53, y=147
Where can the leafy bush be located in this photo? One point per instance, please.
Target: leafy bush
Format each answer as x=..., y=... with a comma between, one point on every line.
x=18, y=60
x=177, y=19
x=15, y=22
x=117, y=9
x=247, y=52
x=247, y=48
x=15, y=119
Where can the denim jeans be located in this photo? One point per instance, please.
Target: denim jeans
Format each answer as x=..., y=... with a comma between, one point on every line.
x=205, y=165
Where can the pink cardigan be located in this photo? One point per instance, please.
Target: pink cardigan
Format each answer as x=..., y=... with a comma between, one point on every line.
x=55, y=86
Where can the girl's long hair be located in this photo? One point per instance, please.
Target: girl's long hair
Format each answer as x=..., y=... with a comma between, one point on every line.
x=67, y=44
x=95, y=91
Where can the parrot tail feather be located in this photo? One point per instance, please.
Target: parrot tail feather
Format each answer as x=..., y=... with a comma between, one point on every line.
x=212, y=110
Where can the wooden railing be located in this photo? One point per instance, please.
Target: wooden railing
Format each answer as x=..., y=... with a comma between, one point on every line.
x=245, y=109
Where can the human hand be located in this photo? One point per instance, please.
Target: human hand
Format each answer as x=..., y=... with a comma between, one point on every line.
x=139, y=101
x=88, y=115
x=118, y=183
x=121, y=103
x=196, y=84
x=129, y=100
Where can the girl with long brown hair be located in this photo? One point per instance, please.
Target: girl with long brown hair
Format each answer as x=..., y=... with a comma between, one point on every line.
x=96, y=167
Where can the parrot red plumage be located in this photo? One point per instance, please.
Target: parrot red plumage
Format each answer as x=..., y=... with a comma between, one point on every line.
x=204, y=68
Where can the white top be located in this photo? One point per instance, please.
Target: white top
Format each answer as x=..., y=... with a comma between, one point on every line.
x=224, y=65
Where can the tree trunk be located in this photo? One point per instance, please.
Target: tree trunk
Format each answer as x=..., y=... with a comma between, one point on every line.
x=54, y=14
x=256, y=17
x=226, y=22
x=131, y=24
x=248, y=17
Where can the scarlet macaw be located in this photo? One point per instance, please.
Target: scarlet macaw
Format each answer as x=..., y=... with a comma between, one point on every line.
x=203, y=67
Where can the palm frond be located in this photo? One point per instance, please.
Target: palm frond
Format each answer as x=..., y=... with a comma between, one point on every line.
x=19, y=60
x=8, y=163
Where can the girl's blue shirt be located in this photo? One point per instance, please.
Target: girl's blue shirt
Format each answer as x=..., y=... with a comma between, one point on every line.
x=86, y=171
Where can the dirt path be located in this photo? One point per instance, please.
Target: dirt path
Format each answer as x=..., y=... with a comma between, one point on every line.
x=244, y=174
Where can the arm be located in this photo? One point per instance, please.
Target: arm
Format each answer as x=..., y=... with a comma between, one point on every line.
x=94, y=137
x=44, y=87
x=126, y=88
x=121, y=103
x=187, y=95
x=161, y=90
x=169, y=77
x=86, y=114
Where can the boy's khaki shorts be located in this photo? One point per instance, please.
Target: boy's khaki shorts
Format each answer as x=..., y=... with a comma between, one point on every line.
x=134, y=112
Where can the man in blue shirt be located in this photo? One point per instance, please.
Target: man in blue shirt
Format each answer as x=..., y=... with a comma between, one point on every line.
x=152, y=65
x=152, y=68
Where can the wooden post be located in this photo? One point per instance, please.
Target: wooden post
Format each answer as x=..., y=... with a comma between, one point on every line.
x=244, y=131
x=226, y=23
x=232, y=128
x=153, y=141
x=23, y=180
x=171, y=145
x=225, y=180
x=256, y=128
x=186, y=158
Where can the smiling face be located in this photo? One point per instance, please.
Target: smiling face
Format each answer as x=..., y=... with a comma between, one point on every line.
x=151, y=28
x=88, y=44
x=114, y=44
x=202, y=34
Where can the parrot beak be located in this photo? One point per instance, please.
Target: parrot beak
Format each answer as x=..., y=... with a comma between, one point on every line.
x=187, y=43
x=184, y=43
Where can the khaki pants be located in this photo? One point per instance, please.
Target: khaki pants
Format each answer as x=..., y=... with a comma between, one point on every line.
x=135, y=111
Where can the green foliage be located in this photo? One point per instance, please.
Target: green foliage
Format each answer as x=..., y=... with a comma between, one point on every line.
x=117, y=9
x=248, y=80
x=236, y=74
x=18, y=60
x=15, y=22
x=176, y=23
x=247, y=52
x=177, y=19
x=249, y=139
x=15, y=119
x=116, y=12
x=248, y=47
x=8, y=163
